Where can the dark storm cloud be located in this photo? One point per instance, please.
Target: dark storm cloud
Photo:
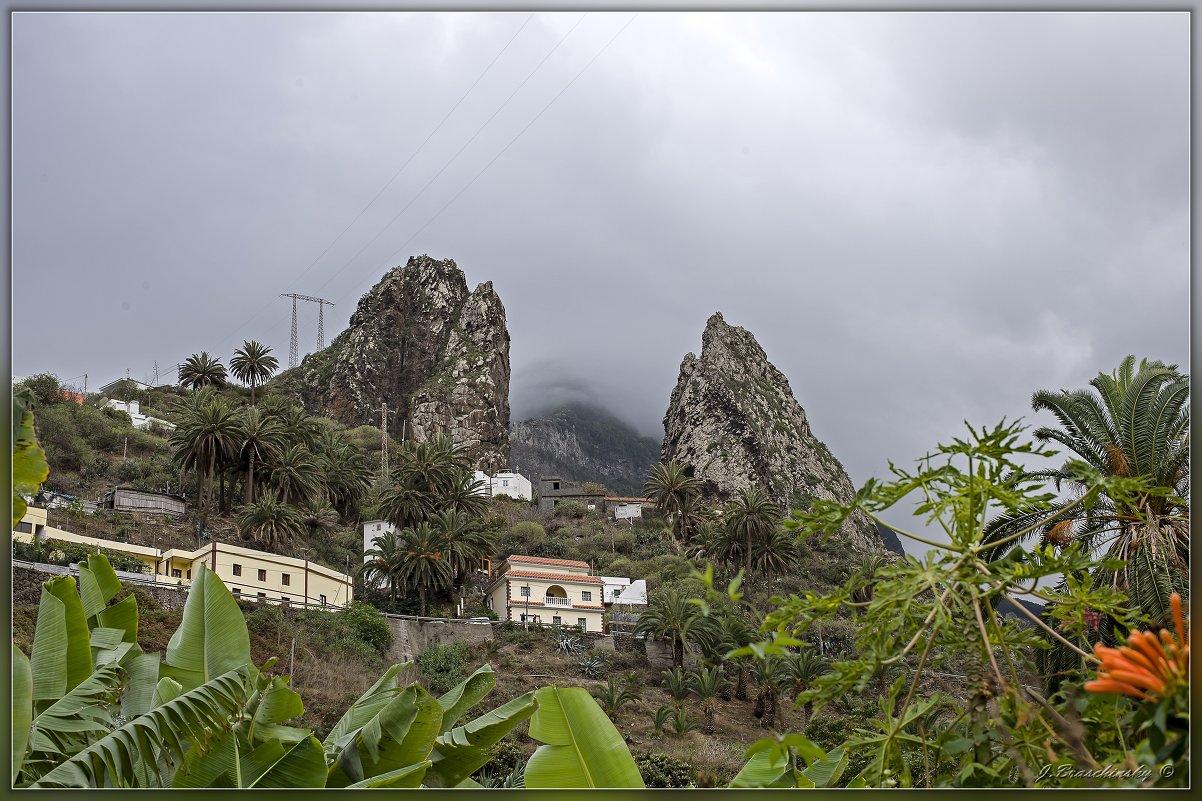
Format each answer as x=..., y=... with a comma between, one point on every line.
x=922, y=217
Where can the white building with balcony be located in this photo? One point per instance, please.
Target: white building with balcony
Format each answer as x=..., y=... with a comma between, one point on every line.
x=548, y=592
x=134, y=410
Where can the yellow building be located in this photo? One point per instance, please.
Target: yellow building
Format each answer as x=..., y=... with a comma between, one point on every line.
x=547, y=592
x=250, y=574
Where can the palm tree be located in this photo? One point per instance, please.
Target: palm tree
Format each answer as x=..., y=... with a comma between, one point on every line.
x=707, y=684
x=302, y=429
x=404, y=503
x=677, y=683
x=424, y=561
x=773, y=554
x=295, y=475
x=1132, y=423
x=348, y=477
x=468, y=542
x=318, y=517
x=252, y=364
x=383, y=562
x=800, y=670
x=202, y=370
x=771, y=675
x=465, y=493
x=261, y=440
x=866, y=576
x=752, y=518
x=270, y=522
x=205, y=441
x=616, y=694
x=672, y=489
x=670, y=614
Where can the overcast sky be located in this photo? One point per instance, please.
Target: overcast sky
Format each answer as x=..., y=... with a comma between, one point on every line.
x=922, y=217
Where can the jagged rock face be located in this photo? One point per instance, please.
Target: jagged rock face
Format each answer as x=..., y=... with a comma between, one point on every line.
x=734, y=420
x=437, y=354
x=581, y=442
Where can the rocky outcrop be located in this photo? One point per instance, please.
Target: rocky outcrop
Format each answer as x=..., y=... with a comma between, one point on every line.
x=580, y=442
x=437, y=354
x=733, y=419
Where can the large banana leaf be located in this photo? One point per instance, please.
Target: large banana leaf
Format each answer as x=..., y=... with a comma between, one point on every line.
x=163, y=735
x=61, y=654
x=98, y=583
x=212, y=638
x=459, y=699
x=122, y=615
x=22, y=708
x=410, y=776
x=142, y=677
x=271, y=704
x=583, y=749
x=399, y=735
x=463, y=750
x=769, y=765
x=29, y=461
x=364, y=709
x=232, y=761
x=64, y=728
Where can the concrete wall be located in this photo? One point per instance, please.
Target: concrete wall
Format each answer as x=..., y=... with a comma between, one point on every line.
x=411, y=637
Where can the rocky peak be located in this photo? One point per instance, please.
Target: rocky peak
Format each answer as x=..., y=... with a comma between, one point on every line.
x=436, y=353
x=734, y=420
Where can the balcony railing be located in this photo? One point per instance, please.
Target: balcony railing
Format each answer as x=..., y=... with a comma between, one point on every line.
x=556, y=600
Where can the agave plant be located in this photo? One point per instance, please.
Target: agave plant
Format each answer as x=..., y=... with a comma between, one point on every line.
x=593, y=665
x=568, y=644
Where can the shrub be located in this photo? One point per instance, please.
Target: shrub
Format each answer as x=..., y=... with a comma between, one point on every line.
x=529, y=533
x=568, y=644
x=444, y=666
x=368, y=625
x=552, y=548
x=661, y=770
x=593, y=665
x=623, y=542
x=519, y=637
x=265, y=619
x=571, y=509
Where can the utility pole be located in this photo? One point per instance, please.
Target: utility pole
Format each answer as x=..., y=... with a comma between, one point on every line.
x=153, y=383
x=384, y=439
x=293, y=345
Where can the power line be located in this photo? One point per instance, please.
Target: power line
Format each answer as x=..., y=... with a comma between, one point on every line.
x=395, y=175
x=453, y=158
x=511, y=141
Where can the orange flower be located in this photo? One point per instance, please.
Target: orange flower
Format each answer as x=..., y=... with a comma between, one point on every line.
x=1149, y=667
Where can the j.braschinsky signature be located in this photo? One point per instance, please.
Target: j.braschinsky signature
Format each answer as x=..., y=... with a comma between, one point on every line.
x=1142, y=773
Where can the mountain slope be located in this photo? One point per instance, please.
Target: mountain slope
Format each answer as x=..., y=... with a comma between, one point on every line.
x=581, y=442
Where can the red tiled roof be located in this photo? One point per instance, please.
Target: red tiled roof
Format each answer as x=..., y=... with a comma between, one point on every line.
x=631, y=500
x=557, y=576
x=538, y=560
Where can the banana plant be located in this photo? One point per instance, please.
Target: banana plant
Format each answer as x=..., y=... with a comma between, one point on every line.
x=774, y=762
x=582, y=748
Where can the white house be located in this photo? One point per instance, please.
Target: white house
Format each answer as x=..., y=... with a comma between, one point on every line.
x=371, y=530
x=507, y=482
x=619, y=590
x=120, y=383
x=134, y=410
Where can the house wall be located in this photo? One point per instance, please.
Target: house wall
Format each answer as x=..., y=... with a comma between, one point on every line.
x=509, y=603
x=36, y=520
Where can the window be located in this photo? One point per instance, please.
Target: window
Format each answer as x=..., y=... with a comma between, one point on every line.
x=617, y=591
x=556, y=620
x=176, y=573
x=323, y=600
x=525, y=592
x=237, y=591
x=586, y=595
x=285, y=579
x=262, y=575
x=286, y=600
x=582, y=623
x=504, y=482
x=189, y=574
x=555, y=485
x=25, y=527
x=237, y=570
x=262, y=596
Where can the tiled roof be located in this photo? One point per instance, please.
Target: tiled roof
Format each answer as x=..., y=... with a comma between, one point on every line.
x=557, y=576
x=631, y=500
x=519, y=602
x=538, y=560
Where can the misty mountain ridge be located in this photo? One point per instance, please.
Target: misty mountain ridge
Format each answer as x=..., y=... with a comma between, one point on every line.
x=580, y=441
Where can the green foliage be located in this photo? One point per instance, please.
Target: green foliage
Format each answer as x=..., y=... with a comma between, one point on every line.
x=594, y=665
x=29, y=461
x=368, y=625
x=920, y=615
x=617, y=693
x=444, y=666
x=59, y=552
x=581, y=747
x=661, y=770
x=571, y=509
